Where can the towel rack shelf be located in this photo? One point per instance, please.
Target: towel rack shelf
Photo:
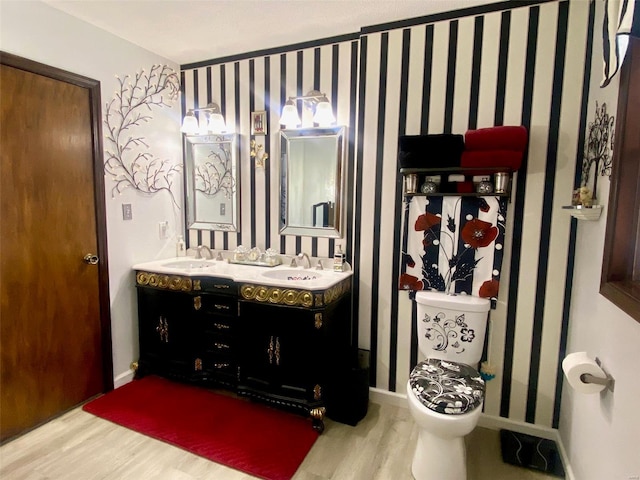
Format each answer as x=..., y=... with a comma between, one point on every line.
x=455, y=194
x=497, y=180
x=453, y=170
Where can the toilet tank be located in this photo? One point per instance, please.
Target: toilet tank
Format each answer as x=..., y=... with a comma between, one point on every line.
x=451, y=327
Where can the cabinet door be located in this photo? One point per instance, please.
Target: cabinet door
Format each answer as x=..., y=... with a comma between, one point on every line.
x=283, y=350
x=166, y=332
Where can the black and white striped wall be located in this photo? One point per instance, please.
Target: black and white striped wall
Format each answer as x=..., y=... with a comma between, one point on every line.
x=472, y=68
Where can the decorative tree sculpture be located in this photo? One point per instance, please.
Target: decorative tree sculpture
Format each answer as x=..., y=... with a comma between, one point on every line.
x=129, y=161
x=597, y=152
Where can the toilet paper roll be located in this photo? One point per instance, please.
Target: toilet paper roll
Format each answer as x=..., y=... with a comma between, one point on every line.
x=578, y=363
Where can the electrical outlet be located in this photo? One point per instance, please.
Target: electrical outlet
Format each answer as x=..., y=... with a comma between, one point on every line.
x=127, y=214
x=163, y=230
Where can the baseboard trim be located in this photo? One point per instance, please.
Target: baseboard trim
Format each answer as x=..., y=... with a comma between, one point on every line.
x=123, y=378
x=491, y=422
x=377, y=395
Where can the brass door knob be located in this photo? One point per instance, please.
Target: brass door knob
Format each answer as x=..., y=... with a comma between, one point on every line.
x=91, y=259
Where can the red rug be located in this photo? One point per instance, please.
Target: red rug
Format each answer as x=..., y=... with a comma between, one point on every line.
x=253, y=438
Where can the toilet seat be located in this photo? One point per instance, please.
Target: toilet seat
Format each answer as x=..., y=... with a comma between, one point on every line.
x=445, y=387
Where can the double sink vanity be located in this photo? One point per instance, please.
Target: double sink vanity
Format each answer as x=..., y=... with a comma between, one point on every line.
x=276, y=334
x=280, y=335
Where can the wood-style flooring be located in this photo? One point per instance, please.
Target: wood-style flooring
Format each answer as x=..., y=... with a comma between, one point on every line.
x=80, y=446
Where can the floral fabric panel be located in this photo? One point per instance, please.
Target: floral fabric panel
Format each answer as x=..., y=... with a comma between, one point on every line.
x=450, y=388
x=453, y=244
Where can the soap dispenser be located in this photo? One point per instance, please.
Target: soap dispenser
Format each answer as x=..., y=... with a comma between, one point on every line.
x=338, y=259
x=181, y=251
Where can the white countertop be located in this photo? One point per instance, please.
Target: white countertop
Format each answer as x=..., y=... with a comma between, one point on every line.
x=279, y=276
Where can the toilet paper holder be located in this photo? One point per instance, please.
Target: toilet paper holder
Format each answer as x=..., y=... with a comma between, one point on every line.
x=608, y=382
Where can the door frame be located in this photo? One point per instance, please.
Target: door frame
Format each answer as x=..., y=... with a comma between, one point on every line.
x=93, y=86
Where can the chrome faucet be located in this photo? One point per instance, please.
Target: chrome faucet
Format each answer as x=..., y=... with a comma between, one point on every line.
x=303, y=257
x=199, y=249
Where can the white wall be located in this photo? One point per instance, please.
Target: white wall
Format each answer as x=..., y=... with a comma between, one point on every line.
x=600, y=432
x=38, y=32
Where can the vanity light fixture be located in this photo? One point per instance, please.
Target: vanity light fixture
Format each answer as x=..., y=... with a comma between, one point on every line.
x=315, y=101
x=213, y=121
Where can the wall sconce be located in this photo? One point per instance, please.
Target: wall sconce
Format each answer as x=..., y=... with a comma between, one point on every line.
x=213, y=121
x=314, y=100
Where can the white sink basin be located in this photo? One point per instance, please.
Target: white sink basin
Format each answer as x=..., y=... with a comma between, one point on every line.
x=182, y=264
x=294, y=275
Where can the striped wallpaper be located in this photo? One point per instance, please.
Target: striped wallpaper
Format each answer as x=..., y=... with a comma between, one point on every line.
x=445, y=73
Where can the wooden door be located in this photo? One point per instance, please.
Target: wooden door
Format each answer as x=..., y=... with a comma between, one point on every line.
x=54, y=337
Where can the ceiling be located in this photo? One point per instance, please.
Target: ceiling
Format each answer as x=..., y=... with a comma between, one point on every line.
x=188, y=31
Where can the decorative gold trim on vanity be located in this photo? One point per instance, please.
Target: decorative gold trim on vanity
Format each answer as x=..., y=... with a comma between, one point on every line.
x=293, y=297
x=334, y=293
x=168, y=282
x=317, y=413
x=277, y=295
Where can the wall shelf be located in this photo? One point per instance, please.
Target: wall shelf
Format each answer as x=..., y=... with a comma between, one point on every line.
x=454, y=194
x=472, y=171
x=584, y=213
x=449, y=189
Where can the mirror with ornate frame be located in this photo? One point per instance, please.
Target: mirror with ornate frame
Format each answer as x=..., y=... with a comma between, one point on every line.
x=312, y=181
x=210, y=175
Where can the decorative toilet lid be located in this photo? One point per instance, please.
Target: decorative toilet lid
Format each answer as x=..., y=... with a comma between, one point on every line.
x=447, y=387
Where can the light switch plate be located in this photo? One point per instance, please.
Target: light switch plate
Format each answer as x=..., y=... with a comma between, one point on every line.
x=127, y=213
x=163, y=230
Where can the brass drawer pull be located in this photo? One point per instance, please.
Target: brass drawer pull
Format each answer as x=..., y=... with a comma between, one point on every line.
x=221, y=326
x=221, y=346
x=222, y=307
x=221, y=365
x=220, y=286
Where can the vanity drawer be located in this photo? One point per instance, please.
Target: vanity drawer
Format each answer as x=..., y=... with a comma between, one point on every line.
x=218, y=324
x=224, y=286
x=221, y=371
x=215, y=304
x=219, y=345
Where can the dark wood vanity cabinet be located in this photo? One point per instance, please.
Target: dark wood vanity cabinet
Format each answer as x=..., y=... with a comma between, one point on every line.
x=187, y=328
x=293, y=356
x=286, y=347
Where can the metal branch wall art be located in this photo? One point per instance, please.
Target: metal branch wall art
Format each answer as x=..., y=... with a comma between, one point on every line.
x=215, y=175
x=128, y=160
x=598, y=147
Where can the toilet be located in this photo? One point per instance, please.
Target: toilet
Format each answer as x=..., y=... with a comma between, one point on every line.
x=445, y=391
